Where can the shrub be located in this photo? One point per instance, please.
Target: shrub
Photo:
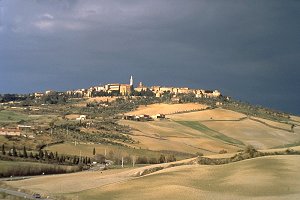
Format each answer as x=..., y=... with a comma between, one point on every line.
x=222, y=151
x=199, y=154
x=142, y=160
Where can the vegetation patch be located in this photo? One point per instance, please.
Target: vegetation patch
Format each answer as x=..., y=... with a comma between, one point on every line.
x=9, y=168
x=10, y=116
x=248, y=153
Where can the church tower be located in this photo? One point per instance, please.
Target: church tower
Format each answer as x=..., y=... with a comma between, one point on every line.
x=131, y=81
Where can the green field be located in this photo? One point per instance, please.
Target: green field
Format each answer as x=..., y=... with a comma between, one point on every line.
x=10, y=116
x=4, y=196
x=13, y=168
x=87, y=150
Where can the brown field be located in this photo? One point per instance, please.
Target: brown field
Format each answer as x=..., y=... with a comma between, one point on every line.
x=166, y=108
x=214, y=114
x=72, y=116
x=170, y=135
x=273, y=123
x=98, y=99
x=260, y=178
x=254, y=133
x=272, y=177
x=69, y=183
x=295, y=118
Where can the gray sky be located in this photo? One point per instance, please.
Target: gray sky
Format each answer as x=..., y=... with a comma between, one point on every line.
x=247, y=49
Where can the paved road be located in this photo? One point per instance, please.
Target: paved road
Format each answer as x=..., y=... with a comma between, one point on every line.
x=18, y=194
x=15, y=178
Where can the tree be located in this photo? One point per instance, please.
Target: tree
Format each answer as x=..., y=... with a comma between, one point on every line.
x=31, y=155
x=100, y=158
x=162, y=159
x=3, y=149
x=25, y=152
x=41, y=154
x=251, y=150
x=292, y=128
x=56, y=156
x=94, y=151
x=171, y=158
x=51, y=156
x=14, y=153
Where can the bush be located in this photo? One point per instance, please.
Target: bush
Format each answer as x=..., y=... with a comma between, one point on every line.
x=250, y=150
x=142, y=160
x=222, y=151
x=199, y=154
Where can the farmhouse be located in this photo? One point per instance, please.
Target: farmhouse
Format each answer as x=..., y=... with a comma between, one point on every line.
x=10, y=131
x=159, y=116
x=81, y=117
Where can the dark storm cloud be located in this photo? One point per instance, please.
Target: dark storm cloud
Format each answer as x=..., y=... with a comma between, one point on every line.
x=247, y=49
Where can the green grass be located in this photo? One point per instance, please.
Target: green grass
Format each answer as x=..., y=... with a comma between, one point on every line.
x=87, y=150
x=294, y=144
x=209, y=132
x=10, y=116
x=4, y=196
x=15, y=168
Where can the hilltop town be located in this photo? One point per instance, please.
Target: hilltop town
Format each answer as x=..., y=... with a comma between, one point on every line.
x=118, y=128
x=121, y=89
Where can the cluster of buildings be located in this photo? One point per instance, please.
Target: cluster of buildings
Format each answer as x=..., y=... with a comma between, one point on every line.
x=20, y=129
x=144, y=117
x=128, y=89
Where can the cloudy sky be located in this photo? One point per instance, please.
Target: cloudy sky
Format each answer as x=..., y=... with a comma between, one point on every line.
x=247, y=49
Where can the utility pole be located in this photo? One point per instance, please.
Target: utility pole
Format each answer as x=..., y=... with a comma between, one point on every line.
x=133, y=161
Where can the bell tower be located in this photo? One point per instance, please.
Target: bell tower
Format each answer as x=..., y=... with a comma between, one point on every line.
x=131, y=81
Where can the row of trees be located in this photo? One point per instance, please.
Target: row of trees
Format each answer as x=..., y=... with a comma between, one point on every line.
x=45, y=156
x=116, y=157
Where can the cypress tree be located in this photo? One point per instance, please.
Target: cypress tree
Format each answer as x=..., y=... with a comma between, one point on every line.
x=41, y=154
x=25, y=152
x=94, y=151
x=3, y=149
x=51, y=156
x=15, y=153
x=74, y=160
x=31, y=155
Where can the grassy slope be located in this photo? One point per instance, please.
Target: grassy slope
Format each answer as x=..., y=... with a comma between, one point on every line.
x=87, y=150
x=10, y=116
x=260, y=178
x=8, y=168
x=170, y=135
x=209, y=132
x=235, y=125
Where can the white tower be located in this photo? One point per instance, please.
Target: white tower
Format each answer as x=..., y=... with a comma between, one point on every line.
x=131, y=81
